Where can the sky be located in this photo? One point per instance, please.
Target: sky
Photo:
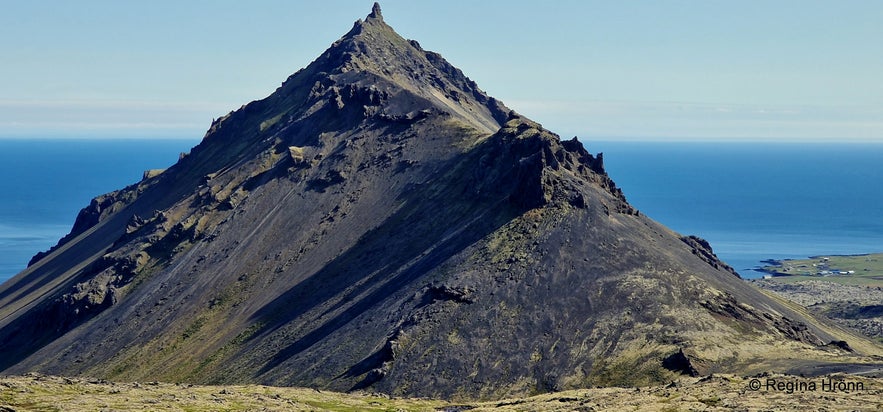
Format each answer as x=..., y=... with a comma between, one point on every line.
x=752, y=70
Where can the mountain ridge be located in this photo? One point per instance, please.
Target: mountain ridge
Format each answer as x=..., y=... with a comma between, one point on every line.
x=380, y=222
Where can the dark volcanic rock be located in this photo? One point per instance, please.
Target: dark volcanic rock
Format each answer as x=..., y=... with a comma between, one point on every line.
x=380, y=222
x=702, y=248
x=679, y=362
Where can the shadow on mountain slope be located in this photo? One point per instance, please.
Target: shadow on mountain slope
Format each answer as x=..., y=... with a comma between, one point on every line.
x=436, y=221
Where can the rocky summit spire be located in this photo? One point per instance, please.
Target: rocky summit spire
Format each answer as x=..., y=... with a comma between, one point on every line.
x=375, y=12
x=378, y=222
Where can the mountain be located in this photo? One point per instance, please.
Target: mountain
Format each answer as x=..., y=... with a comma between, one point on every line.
x=379, y=222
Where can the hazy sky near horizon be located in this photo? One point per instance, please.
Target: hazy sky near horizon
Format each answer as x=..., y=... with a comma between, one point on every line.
x=657, y=70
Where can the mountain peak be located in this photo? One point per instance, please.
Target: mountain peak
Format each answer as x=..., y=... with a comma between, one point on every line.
x=380, y=222
x=375, y=12
x=374, y=56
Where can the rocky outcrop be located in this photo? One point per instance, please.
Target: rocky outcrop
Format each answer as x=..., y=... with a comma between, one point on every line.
x=100, y=207
x=701, y=248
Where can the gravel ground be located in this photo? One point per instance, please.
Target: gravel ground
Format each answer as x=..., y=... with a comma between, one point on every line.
x=712, y=393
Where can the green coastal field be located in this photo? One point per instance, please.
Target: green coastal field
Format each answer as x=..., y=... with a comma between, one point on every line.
x=858, y=270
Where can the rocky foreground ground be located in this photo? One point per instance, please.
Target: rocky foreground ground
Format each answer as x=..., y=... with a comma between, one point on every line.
x=35, y=392
x=719, y=392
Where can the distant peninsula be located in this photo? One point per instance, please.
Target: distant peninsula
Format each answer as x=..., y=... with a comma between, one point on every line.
x=859, y=270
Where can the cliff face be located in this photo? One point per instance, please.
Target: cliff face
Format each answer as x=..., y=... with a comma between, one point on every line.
x=380, y=222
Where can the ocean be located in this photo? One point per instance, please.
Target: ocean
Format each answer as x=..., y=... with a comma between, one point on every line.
x=45, y=182
x=752, y=201
x=757, y=201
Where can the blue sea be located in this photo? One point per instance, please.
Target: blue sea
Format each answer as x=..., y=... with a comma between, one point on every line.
x=45, y=182
x=752, y=201
x=757, y=201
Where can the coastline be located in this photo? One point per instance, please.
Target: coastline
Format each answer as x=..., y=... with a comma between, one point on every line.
x=857, y=269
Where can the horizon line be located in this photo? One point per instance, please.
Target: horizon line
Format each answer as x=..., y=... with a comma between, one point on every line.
x=182, y=135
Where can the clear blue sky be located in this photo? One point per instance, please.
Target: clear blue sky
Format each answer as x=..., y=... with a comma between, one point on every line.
x=663, y=69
